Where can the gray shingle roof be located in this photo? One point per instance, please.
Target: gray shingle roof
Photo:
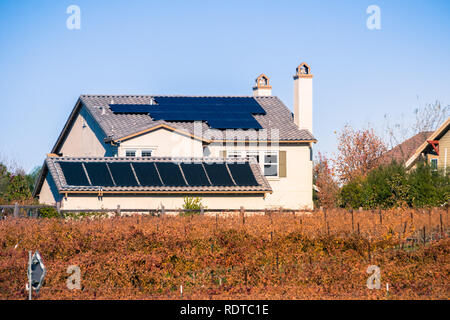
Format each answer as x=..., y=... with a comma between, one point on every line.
x=54, y=168
x=278, y=124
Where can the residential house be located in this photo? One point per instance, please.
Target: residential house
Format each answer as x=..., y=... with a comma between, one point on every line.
x=147, y=151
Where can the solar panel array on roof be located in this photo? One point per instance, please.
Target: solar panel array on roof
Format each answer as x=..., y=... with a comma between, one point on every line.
x=219, y=113
x=218, y=174
x=195, y=174
x=147, y=174
x=99, y=174
x=74, y=173
x=122, y=174
x=109, y=174
x=242, y=174
x=170, y=174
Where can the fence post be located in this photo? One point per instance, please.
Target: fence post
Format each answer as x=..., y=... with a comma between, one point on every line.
x=163, y=210
x=202, y=211
x=16, y=210
x=353, y=225
x=118, y=211
x=58, y=209
x=381, y=216
x=243, y=215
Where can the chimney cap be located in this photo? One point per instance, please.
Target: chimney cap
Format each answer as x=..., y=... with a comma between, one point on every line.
x=262, y=82
x=303, y=71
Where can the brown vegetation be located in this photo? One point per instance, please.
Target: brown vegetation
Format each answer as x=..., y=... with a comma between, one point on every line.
x=323, y=255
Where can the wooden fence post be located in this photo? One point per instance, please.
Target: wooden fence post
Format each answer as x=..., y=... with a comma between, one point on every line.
x=163, y=210
x=16, y=210
x=353, y=225
x=440, y=222
x=243, y=215
x=202, y=211
x=58, y=209
x=381, y=216
x=118, y=211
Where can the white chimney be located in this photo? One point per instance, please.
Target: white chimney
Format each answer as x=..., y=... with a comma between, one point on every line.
x=262, y=87
x=303, y=90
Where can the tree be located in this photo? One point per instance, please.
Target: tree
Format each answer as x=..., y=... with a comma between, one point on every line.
x=18, y=189
x=426, y=118
x=4, y=179
x=358, y=152
x=324, y=179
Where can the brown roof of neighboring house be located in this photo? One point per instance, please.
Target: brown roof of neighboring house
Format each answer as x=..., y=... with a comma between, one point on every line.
x=402, y=152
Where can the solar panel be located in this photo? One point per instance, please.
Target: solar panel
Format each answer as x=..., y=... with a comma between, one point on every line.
x=219, y=112
x=147, y=174
x=170, y=174
x=195, y=174
x=74, y=173
x=218, y=174
x=123, y=174
x=242, y=174
x=99, y=174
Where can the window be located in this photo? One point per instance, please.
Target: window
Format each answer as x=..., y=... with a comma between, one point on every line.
x=434, y=164
x=130, y=153
x=146, y=153
x=270, y=164
x=268, y=160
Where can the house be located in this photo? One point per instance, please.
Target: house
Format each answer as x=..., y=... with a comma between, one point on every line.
x=403, y=151
x=144, y=151
x=435, y=149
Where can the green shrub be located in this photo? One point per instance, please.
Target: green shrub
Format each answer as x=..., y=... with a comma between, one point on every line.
x=392, y=186
x=192, y=203
x=49, y=212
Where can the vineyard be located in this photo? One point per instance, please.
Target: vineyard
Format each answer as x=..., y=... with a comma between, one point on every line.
x=319, y=255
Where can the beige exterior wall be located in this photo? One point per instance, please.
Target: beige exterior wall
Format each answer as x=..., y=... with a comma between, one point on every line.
x=164, y=143
x=444, y=152
x=291, y=192
x=86, y=139
x=154, y=201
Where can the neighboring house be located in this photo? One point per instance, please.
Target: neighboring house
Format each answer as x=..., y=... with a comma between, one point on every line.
x=403, y=151
x=435, y=149
x=144, y=151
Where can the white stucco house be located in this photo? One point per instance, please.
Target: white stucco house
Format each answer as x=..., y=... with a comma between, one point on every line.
x=145, y=151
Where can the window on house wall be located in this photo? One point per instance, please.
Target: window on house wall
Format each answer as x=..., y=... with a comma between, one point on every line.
x=130, y=153
x=146, y=153
x=268, y=160
x=271, y=164
x=434, y=164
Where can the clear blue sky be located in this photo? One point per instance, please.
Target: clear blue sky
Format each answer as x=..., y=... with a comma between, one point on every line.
x=216, y=47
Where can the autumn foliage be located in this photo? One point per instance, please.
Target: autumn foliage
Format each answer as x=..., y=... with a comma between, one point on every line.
x=323, y=255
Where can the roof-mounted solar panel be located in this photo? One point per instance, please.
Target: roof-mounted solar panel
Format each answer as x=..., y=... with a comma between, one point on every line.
x=242, y=174
x=74, y=173
x=123, y=174
x=99, y=174
x=218, y=174
x=147, y=174
x=218, y=112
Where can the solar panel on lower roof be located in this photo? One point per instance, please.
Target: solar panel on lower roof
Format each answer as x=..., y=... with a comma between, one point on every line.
x=170, y=174
x=123, y=174
x=218, y=174
x=195, y=174
x=147, y=174
x=74, y=173
x=99, y=174
x=242, y=174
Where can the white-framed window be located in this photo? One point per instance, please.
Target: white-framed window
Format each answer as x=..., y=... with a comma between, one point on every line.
x=434, y=163
x=268, y=160
x=130, y=153
x=146, y=153
x=271, y=164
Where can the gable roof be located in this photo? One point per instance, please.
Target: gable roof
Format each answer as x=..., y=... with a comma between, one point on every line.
x=277, y=123
x=436, y=135
x=53, y=165
x=403, y=151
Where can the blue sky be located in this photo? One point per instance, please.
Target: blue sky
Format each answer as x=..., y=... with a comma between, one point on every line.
x=217, y=48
